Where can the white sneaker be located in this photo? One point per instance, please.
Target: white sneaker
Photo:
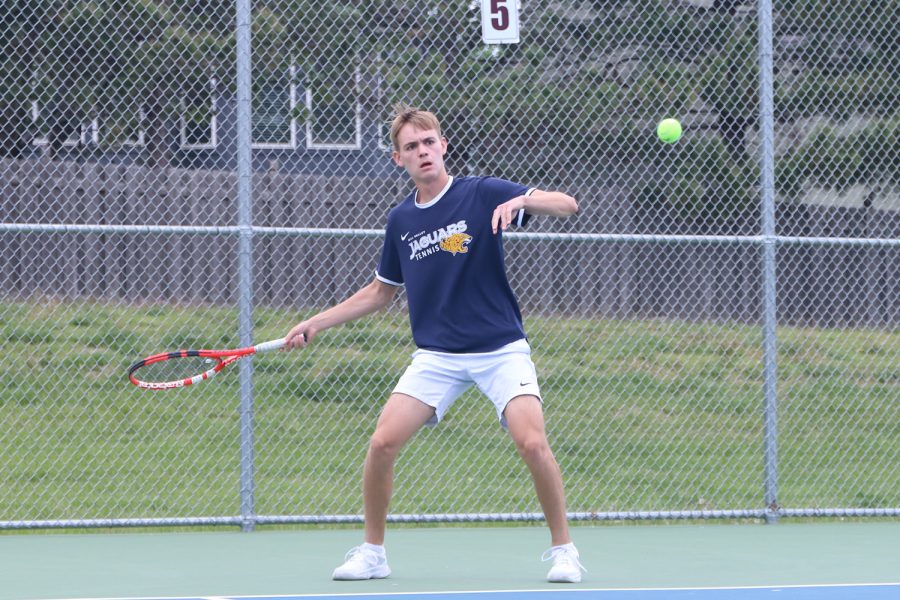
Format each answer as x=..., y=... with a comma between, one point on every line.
x=566, y=567
x=362, y=563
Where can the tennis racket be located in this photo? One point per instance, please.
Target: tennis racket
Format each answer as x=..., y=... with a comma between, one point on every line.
x=170, y=370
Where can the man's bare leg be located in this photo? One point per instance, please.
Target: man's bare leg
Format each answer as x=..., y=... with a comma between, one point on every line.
x=525, y=420
x=401, y=418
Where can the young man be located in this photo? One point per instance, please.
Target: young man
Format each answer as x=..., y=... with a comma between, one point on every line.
x=444, y=243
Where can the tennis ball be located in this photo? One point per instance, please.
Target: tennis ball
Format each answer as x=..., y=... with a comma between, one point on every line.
x=669, y=130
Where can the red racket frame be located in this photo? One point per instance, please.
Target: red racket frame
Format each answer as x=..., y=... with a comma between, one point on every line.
x=223, y=358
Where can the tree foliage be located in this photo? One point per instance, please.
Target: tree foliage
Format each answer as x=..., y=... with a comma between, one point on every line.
x=587, y=83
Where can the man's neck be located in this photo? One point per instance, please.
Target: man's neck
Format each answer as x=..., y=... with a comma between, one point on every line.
x=428, y=191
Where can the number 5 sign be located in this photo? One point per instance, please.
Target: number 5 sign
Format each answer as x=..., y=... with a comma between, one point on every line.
x=500, y=21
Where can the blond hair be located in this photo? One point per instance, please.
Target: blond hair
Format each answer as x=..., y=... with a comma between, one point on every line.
x=420, y=119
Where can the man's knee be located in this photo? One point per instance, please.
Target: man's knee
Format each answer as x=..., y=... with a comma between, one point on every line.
x=383, y=446
x=534, y=448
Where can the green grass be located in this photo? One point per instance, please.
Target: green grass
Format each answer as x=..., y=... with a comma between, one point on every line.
x=642, y=415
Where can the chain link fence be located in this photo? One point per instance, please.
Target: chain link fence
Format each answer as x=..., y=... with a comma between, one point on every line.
x=715, y=331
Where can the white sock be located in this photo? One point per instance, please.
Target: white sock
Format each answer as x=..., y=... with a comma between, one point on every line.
x=570, y=546
x=379, y=550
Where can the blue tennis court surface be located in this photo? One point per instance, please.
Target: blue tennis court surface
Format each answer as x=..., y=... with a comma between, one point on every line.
x=889, y=591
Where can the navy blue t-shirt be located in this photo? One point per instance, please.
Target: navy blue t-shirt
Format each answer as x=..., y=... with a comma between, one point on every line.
x=451, y=263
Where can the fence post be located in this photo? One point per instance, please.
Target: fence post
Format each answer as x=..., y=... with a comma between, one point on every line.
x=769, y=317
x=245, y=256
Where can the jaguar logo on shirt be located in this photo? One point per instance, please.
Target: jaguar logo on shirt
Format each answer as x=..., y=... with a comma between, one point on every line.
x=451, y=238
x=456, y=243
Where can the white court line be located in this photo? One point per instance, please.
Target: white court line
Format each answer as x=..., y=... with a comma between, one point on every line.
x=548, y=591
x=533, y=591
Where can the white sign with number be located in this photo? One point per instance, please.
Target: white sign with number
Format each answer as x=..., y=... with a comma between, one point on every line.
x=500, y=21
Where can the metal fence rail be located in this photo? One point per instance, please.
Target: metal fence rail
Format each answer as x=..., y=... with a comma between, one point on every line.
x=716, y=332
x=132, y=199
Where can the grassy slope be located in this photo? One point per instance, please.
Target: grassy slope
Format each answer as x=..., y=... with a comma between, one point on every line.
x=643, y=415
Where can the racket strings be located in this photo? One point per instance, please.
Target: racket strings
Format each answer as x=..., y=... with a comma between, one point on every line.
x=174, y=369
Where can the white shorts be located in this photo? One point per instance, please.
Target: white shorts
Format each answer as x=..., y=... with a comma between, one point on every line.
x=439, y=378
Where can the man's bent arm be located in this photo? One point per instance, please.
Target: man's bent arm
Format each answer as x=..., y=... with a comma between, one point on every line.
x=371, y=298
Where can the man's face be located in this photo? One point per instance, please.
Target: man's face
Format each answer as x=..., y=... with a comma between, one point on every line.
x=421, y=153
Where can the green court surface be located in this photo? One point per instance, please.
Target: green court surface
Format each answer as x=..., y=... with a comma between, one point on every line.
x=444, y=559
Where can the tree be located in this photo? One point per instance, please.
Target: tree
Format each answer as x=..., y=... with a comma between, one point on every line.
x=21, y=25
x=124, y=61
x=839, y=66
x=585, y=86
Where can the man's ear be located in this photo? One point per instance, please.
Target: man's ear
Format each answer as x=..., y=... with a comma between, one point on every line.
x=395, y=156
x=444, y=145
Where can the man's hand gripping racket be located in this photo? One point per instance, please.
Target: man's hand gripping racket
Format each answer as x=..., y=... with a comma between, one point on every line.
x=170, y=370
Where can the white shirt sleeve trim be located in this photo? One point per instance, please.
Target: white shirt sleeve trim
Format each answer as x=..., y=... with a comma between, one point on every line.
x=386, y=280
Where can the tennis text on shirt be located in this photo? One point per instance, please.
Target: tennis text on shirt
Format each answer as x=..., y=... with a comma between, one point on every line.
x=451, y=238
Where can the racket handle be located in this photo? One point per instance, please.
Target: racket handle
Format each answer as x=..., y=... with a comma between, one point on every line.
x=270, y=346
